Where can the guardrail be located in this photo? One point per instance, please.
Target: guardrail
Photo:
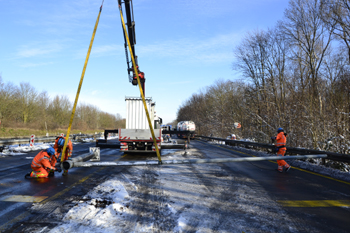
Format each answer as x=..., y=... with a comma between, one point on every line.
x=15, y=141
x=290, y=150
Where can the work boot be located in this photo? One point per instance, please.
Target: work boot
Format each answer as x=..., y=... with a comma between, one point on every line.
x=27, y=175
x=65, y=172
x=280, y=169
x=287, y=168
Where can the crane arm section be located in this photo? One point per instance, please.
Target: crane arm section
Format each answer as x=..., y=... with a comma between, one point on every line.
x=130, y=24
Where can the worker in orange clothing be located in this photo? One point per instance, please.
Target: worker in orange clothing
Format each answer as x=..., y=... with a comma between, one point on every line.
x=59, y=143
x=281, y=149
x=43, y=163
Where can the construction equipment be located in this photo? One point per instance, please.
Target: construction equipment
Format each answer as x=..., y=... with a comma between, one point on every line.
x=136, y=137
x=130, y=24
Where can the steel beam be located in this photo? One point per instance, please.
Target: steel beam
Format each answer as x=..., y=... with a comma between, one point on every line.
x=189, y=161
x=93, y=155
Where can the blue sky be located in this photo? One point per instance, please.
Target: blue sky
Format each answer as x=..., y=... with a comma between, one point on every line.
x=182, y=46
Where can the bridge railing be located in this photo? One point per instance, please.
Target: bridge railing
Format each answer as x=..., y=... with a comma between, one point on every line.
x=290, y=150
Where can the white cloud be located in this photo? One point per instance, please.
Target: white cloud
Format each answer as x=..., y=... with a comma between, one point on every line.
x=183, y=82
x=29, y=64
x=33, y=52
x=216, y=49
x=100, y=51
x=106, y=49
x=36, y=51
x=104, y=103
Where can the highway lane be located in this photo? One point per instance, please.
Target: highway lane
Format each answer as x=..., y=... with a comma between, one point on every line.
x=309, y=198
x=284, y=189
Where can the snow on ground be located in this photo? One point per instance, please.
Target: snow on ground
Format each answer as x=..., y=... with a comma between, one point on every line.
x=104, y=208
x=13, y=150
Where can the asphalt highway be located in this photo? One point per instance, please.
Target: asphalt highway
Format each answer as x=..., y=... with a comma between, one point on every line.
x=319, y=203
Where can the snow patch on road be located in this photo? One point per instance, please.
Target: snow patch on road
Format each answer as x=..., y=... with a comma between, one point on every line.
x=106, y=207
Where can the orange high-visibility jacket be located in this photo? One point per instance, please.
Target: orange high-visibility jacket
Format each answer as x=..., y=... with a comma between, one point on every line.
x=42, y=159
x=69, y=149
x=281, y=139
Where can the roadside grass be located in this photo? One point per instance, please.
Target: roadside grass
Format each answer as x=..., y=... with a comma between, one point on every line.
x=6, y=132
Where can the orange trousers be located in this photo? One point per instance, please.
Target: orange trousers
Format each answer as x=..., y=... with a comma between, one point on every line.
x=39, y=172
x=281, y=163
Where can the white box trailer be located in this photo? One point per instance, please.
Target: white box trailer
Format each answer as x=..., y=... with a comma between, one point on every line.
x=137, y=136
x=135, y=113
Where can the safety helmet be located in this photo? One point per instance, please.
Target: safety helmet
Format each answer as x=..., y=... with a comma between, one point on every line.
x=60, y=142
x=280, y=130
x=50, y=151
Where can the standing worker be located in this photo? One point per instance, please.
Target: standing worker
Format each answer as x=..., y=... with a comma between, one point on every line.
x=59, y=143
x=281, y=149
x=43, y=163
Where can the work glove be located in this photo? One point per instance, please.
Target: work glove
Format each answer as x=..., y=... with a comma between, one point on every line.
x=59, y=169
x=285, y=134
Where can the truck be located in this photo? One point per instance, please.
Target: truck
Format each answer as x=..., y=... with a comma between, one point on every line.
x=136, y=137
x=186, y=126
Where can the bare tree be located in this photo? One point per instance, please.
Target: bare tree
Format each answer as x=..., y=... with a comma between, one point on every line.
x=60, y=111
x=311, y=39
x=336, y=13
x=28, y=102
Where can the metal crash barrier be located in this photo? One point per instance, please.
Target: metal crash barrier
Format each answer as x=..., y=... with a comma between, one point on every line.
x=15, y=141
x=290, y=150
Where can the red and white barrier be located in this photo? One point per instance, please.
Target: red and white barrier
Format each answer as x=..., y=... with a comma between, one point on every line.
x=32, y=140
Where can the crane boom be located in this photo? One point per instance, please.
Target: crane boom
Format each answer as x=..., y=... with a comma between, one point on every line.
x=130, y=23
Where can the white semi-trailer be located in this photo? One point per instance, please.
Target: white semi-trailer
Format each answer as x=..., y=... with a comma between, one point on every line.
x=137, y=137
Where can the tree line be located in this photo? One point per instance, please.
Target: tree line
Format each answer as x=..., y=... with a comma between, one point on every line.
x=295, y=75
x=24, y=107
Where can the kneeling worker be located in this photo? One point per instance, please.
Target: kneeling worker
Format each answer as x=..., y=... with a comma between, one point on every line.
x=59, y=143
x=43, y=163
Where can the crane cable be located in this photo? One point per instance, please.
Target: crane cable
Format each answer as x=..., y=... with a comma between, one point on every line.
x=139, y=84
x=80, y=84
